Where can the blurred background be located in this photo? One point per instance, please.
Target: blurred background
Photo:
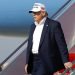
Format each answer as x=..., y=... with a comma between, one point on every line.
x=15, y=23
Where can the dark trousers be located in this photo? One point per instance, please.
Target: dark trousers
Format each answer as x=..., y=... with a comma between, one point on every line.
x=39, y=67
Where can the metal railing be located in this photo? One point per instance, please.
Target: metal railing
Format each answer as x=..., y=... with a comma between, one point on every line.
x=72, y=71
x=12, y=53
x=27, y=39
x=61, y=8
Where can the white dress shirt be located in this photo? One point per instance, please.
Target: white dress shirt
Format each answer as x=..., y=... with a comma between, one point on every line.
x=37, y=35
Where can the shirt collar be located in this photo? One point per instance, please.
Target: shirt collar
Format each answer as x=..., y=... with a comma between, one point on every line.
x=41, y=22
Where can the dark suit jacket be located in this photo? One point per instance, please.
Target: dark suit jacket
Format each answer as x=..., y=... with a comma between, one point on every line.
x=52, y=49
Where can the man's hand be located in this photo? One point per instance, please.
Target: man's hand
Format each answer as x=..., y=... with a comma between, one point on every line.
x=68, y=65
x=26, y=68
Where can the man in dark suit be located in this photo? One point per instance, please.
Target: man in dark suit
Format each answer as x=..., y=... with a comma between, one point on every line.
x=47, y=50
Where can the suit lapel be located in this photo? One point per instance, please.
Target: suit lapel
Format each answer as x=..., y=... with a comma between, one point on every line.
x=43, y=32
x=32, y=31
x=31, y=34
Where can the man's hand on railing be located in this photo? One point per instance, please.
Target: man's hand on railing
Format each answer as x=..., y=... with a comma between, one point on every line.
x=68, y=65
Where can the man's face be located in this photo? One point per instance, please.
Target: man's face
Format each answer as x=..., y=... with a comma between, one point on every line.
x=37, y=16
